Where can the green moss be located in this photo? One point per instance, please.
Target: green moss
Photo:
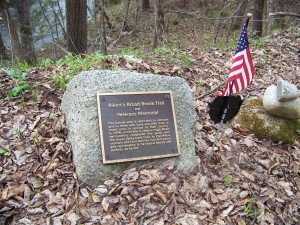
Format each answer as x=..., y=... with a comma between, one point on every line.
x=254, y=118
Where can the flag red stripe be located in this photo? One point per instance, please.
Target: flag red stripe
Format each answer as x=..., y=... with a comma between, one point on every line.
x=250, y=62
x=236, y=73
x=237, y=58
x=236, y=67
x=247, y=75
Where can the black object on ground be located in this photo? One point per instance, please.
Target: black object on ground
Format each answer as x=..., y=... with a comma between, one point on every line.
x=219, y=104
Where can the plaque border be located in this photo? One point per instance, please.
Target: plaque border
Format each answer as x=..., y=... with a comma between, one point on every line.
x=105, y=161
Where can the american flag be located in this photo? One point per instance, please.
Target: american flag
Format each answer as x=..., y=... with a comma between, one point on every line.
x=242, y=70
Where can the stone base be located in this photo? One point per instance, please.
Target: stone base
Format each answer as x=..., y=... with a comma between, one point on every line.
x=253, y=117
x=80, y=108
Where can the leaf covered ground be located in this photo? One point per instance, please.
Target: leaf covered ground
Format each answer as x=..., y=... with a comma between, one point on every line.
x=247, y=181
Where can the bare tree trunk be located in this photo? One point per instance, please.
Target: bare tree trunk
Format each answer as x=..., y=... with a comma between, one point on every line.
x=26, y=31
x=56, y=29
x=60, y=12
x=145, y=5
x=101, y=8
x=62, y=17
x=278, y=21
x=238, y=15
x=159, y=23
x=93, y=12
x=137, y=12
x=257, y=18
x=57, y=18
x=105, y=16
x=2, y=49
x=15, y=43
x=103, y=30
x=125, y=21
x=92, y=31
x=76, y=12
x=186, y=4
x=156, y=26
x=50, y=26
x=218, y=26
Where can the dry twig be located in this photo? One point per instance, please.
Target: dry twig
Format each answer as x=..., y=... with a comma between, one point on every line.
x=208, y=93
x=149, y=215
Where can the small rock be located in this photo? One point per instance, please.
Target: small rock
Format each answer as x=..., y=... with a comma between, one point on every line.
x=25, y=221
x=198, y=126
x=35, y=211
x=204, y=204
x=203, y=184
x=244, y=194
x=101, y=190
x=132, y=59
x=227, y=211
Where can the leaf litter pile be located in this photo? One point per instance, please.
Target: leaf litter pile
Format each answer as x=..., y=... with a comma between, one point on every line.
x=247, y=181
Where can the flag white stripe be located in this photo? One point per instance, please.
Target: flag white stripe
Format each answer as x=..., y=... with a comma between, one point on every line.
x=240, y=53
x=245, y=78
x=248, y=68
x=235, y=72
x=239, y=83
x=237, y=63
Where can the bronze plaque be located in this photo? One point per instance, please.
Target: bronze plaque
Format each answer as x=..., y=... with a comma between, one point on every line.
x=137, y=126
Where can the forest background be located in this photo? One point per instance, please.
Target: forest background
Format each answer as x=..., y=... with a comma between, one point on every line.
x=32, y=29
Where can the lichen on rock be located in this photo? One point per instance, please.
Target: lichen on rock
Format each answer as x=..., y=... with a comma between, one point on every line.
x=253, y=117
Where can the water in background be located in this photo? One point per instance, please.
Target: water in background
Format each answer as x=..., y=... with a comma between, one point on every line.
x=41, y=30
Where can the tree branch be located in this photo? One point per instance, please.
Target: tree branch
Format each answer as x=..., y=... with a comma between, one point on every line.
x=284, y=14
